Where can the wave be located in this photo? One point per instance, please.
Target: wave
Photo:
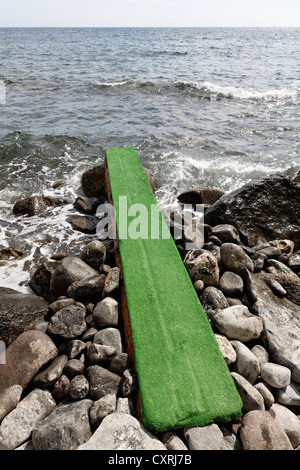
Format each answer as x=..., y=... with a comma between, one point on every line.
x=206, y=90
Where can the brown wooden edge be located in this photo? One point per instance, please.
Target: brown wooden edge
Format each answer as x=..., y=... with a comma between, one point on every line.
x=124, y=307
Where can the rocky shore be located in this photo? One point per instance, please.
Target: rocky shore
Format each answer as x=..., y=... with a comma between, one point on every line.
x=67, y=381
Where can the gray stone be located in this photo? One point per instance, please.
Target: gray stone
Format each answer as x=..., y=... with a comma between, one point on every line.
x=69, y=270
x=226, y=233
x=73, y=367
x=230, y=440
x=266, y=393
x=9, y=398
x=259, y=431
x=61, y=388
x=260, y=352
x=110, y=337
x=281, y=333
x=289, y=395
x=246, y=363
x=120, y=431
x=18, y=313
x=213, y=300
x=101, y=408
x=66, y=428
x=60, y=304
x=100, y=353
x=173, y=442
x=68, y=323
x=88, y=286
x=75, y=347
x=79, y=387
x=250, y=396
x=231, y=285
x=129, y=383
x=112, y=282
x=102, y=382
x=25, y=356
x=49, y=376
x=226, y=349
x=275, y=375
x=202, y=265
x=208, y=437
x=17, y=426
x=106, y=313
x=235, y=259
x=199, y=286
x=238, y=323
x=283, y=284
x=288, y=421
x=120, y=363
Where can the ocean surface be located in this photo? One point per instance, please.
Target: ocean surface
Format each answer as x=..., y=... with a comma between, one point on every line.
x=202, y=106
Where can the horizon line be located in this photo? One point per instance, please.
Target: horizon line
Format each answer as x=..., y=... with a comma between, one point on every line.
x=144, y=27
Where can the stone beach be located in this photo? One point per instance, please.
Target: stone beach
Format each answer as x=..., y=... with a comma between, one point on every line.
x=68, y=382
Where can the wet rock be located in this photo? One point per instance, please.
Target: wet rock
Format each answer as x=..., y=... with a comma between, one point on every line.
x=101, y=408
x=202, y=265
x=110, y=337
x=49, y=376
x=206, y=196
x=231, y=285
x=259, y=431
x=204, y=438
x=226, y=349
x=9, y=398
x=93, y=182
x=79, y=387
x=275, y=375
x=41, y=279
x=70, y=269
x=288, y=421
x=85, y=224
x=35, y=205
x=102, y=382
x=60, y=304
x=66, y=428
x=19, y=313
x=106, y=313
x=294, y=262
x=250, y=396
x=226, y=233
x=213, y=300
x=283, y=285
x=17, y=426
x=25, y=356
x=87, y=205
x=238, y=323
x=122, y=431
x=68, y=323
x=235, y=259
x=260, y=210
x=88, y=286
x=246, y=363
x=94, y=254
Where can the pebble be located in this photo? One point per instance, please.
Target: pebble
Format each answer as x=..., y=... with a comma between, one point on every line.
x=68, y=323
x=9, y=398
x=238, y=323
x=101, y=408
x=235, y=259
x=49, y=376
x=128, y=383
x=202, y=265
x=260, y=352
x=106, y=313
x=250, y=396
x=110, y=337
x=275, y=375
x=266, y=393
x=73, y=367
x=75, y=347
x=226, y=349
x=204, y=438
x=102, y=382
x=173, y=442
x=100, y=353
x=246, y=363
x=79, y=387
x=231, y=285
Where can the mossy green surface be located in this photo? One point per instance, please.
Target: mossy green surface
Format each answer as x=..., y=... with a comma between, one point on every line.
x=183, y=378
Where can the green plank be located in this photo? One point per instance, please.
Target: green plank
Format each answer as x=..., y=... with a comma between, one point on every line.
x=183, y=378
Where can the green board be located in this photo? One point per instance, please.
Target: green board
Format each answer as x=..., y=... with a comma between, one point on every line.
x=183, y=378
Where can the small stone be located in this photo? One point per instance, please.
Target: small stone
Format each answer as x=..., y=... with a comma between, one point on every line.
x=204, y=438
x=226, y=233
x=49, y=376
x=261, y=353
x=9, y=398
x=68, y=323
x=110, y=337
x=89, y=334
x=129, y=383
x=213, y=300
x=100, y=353
x=266, y=393
x=202, y=265
x=251, y=398
x=199, y=286
x=288, y=421
x=102, y=382
x=173, y=442
x=246, y=363
x=17, y=426
x=259, y=431
x=101, y=408
x=126, y=405
x=61, y=388
x=235, y=259
x=238, y=323
x=231, y=285
x=289, y=395
x=75, y=347
x=120, y=363
x=88, y=286
x=79, y=387
x=270, y=251
x=294, y=262
x=73, y=367
x=112, y=282
x=275, y=375
x=60, y=304
x=94, y=254
x=86, y=205
x=106, y=313
x=276, y=287
x=226, y=349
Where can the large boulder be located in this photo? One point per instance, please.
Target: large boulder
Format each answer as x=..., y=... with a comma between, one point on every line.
x=18, y=313
x=262, y=210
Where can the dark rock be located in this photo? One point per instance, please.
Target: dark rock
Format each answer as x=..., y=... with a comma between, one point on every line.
x=61, y=388
x=69, y=270
x=66, y=428
x=129, y=383
x=68, y=323
x=226, y=233
x=25, y=356
x=73, y=367
x=294, y=262
x=35, y=205
x=51, y=374
x=75, y=347
x=234, y=258
x=261, y=211
x=60, y=304
x=213, y=300
x=110, y=337
x=94, y=254
x=206, y=196
x=93, y=183
x=79, y=387
x=18, y=313
x=86, y=224
x=100, y=353
x=41, y=279
x=102, y=382
x=101, y=408
x=106, y=313
x=120, y=363
x=88, y=286
x=87, y=205
x=231, y=285
x=112, y=282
